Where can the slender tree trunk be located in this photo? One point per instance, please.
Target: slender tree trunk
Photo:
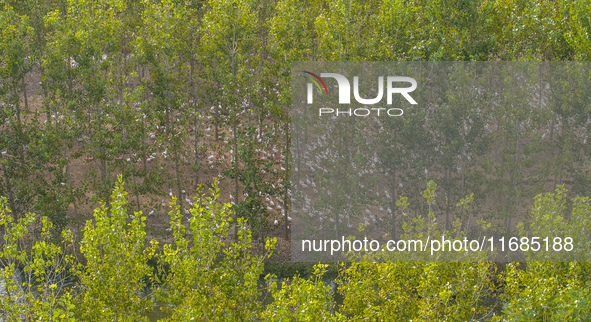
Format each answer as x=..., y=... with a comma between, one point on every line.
x=215, y=123
x=196, y=126
x=47, y=111
x=286, y=182
x=235, y=174
x=103, y=156
x=137, y=195
x=18, y=109
x=24, y=84
x=8, y=187
x=176, y=157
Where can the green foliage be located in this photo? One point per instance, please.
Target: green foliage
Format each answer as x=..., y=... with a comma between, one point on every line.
x=343, y=30
x=16, y=60
x=291, y=38
x=547, y=292
x=15, y=45
x=417, y=291
x=206, y=278
x=116, y=270
x=33, y=278
x=286, y=270
x=204, y=275
x=148, y=89
x=558, y=290
x=301, y=299
x=578, y=36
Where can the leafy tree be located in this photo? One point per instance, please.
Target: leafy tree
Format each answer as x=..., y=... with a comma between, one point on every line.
x=291, y=38
x=302, y=299
x=205, y=278
x=229, y=43
x=116, y=271
x=34, y=277
x=16, y=41
x=162, y=48
x=83, y=45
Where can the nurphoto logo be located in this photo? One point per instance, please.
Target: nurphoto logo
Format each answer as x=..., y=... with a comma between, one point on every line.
x=344, y=87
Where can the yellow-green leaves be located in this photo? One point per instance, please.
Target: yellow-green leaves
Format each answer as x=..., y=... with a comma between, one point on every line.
x=300, y=299
x=344, y=31
x=206, y=276
x=116, y=270
x=291, y=36
x=36, y=291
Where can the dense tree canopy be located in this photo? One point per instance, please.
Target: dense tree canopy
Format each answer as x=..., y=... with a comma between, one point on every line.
x=172, y=95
